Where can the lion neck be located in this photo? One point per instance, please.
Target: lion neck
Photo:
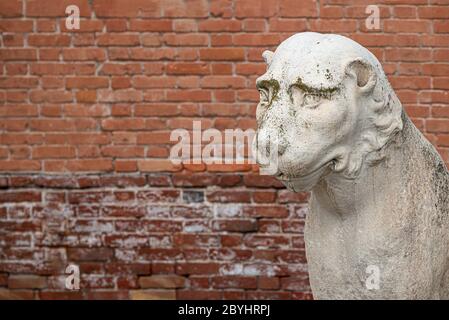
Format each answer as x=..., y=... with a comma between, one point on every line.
x=376, y=182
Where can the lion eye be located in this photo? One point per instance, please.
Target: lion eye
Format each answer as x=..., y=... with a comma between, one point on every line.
x=310, y=100
x=264, y=96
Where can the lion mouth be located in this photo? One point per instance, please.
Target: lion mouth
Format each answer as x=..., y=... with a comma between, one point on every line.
x=285, y=177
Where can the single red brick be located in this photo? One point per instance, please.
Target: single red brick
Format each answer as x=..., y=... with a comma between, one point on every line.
x=118, y=40
x=39, y=40
x=271, y=211
x=83, y=54
x=197, y=268
x=240, y=282
x=229, y=196
x=222, y=54
x=20, y=196
x=86, y=165
x=6, y=294
x=254, y=8
x=13, y=25
x=162, y=281
x=49, y=152
x=290, y=8
x=26, y=282
x=89, y=254
x=48, y=8
x=264, y=196
x=152, y=294
x=235, y=225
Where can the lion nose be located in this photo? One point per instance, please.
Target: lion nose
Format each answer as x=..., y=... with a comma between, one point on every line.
x=275, y=146
x=268, y=145
x=282, y=145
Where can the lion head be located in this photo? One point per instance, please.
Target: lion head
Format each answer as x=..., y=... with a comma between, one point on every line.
x=325, y=106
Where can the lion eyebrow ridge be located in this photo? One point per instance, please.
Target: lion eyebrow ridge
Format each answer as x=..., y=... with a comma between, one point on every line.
x=322, y=92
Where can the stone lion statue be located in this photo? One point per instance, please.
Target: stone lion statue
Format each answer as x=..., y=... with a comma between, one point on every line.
x=378, y=226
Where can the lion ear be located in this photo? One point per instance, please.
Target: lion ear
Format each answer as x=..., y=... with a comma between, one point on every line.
x=267, y=55
x=364, y=74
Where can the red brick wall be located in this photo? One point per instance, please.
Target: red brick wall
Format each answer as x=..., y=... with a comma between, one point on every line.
x=85, y=118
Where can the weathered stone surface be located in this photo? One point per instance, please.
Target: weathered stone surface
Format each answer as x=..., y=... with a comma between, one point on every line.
x=331, y=123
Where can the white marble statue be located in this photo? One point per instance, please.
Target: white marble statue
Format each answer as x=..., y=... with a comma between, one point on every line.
x=378, y=226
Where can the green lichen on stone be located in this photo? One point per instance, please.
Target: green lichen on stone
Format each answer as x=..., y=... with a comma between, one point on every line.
x=326, y=93
x=274, y=85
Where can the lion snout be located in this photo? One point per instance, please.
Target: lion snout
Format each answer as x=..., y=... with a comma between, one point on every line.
x=268, y=145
